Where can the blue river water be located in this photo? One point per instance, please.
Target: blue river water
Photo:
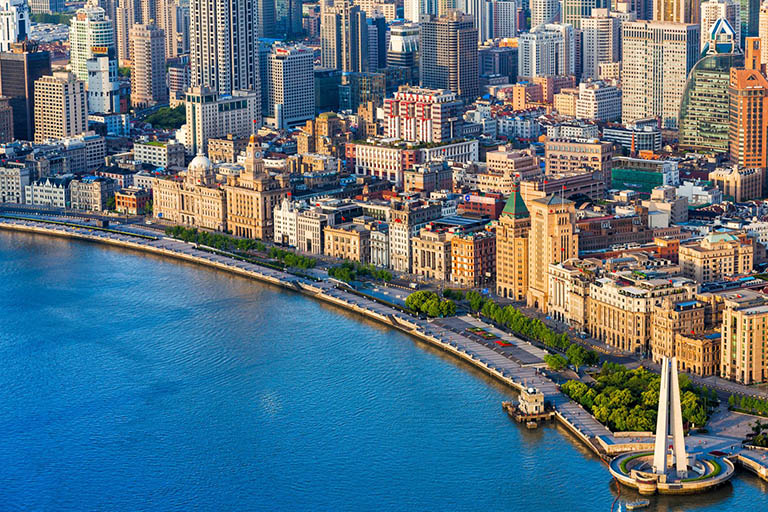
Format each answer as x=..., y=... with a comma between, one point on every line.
x=130, y=382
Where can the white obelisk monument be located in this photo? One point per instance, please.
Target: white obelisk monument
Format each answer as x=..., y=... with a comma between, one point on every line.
x=669, y=422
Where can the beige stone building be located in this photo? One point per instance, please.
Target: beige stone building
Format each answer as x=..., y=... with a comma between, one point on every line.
x=567, y=156
x=197, y=200
x=473, y=258
x=619, y=307
x=252, y=197
x=512, y=233
x=552, y=239
x=569, y=290
x=739, y=184
x=148, y=85
x=505, y=167
x=226, y=149
x=717, y=256
x=565, y=102
x=670, y=319
x=744, y=346
x=349, y=241
x=431, y=254
x=698, y=354
x=60, y=107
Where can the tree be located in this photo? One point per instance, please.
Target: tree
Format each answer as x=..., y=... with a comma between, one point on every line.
x=111, y=203
x=555, y=362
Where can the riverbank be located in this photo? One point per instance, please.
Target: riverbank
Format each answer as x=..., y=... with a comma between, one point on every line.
x=594, y=435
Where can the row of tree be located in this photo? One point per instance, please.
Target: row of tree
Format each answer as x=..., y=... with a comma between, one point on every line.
x=628, y=400
x=430, y=304
x=350, y=271
x=748, y=404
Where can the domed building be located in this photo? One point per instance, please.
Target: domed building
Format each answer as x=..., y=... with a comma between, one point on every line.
x=196, y=200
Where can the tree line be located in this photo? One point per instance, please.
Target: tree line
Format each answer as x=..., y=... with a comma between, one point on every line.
x=430, y=304
x=350, y=271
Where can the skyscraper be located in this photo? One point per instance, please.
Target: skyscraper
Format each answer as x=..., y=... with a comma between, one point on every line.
x=749, y=109
x=90, y=28
x=482, y=14
x=763, y=30
x=291, y=86
x=601, y=38
x=125, y=18
x=552, y=239
x=224, y=45
x=288, y=17
x=750, y=15
x=414, y=9
x=266, y=17
x=14, y=23
x=148, y=70
x=544, y=11
x=547, y=50
x=712, y=10
x=18, y=71
x=574, y=10
x=46, y=6
x=504, y=18
x=103, y=86
x=676, y=11
x=60, y=106
x=448, y=54
x=343, y=36
x=656, y=53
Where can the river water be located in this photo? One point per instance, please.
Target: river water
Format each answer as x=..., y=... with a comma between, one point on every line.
x=130, y=382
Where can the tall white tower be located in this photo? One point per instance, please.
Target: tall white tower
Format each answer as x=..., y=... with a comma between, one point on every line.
x=90, y=29
x=14, y=23
x=669, y=422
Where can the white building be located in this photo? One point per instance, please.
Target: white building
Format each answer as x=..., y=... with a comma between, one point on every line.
x=656, y=59
x=90, y=29
x=14, y=23
x=14, y=178
x=544, y=11
x=161, y=154
x=697, y=194
x=547, y=50
x=103, y=85
x=504, y=18
x=51, y=191
x=598, y=101
x=285, y=218
x=601, y=42
x=291, y=90
x=211, y=116
x=712, y=10
x=224, y=45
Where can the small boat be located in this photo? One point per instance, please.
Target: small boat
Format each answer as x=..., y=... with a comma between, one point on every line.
x=634, y=505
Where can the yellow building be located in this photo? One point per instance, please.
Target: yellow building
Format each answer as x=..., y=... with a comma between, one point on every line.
x=670, y=319
x=197, y=200
x=552, y=239
x=739, y=184
x=717, y=256
x=512, y=248
x=473, y=258
x=431, y=254
x=348, y=241
x=744, y=346
x=568, y=291
x=698, y=354
x=252, y=197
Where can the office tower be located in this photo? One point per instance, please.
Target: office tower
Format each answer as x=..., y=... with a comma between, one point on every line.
x=712, y=10
x=601, y=42
x=46, y=6
x=448, y=54
x=552, y=239
x=743, y=357
x=125, y=18
x=499, y=61
x=288, y=17
x=504, y=18
x=60, y=106
x=544, y=11
x=212, y=116
x=676, y=11
x=291, y=86
x=377, y=42
x=19, y=69
x=224, y=45
x=547, y=50
x=512, y=248
x=750, y=19
x=574, y=10
x=14, y=23
x=481, y=12
x=167, y=20
x=749, y=109
x=90, y=29
x=403, y=47
x=704, y=109
x=103, y=86
x=344, y=36
x=148, y=70
x=414, y=9
x=656, y=59
x=266, y=17
x=763, y=31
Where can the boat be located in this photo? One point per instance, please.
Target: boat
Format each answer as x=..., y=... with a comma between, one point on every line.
x=634, y=505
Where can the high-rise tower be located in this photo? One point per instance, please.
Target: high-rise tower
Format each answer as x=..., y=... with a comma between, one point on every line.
x=448, y=54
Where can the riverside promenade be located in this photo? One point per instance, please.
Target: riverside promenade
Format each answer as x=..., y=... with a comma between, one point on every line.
x=499, y=365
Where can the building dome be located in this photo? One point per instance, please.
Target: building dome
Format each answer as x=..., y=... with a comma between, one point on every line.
x=200, y=164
